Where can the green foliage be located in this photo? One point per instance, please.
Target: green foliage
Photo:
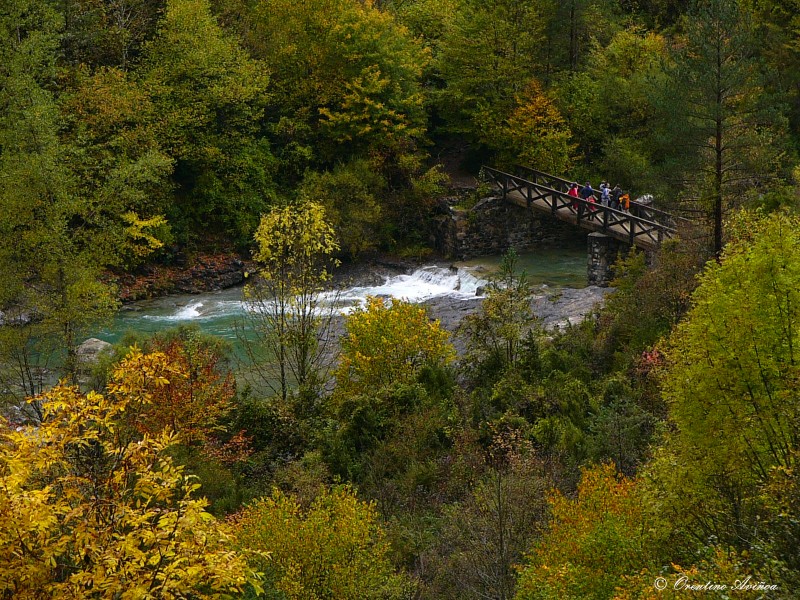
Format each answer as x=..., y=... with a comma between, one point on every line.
x=143, y=237
x=648, y=300
x=483, y=537
x=494, y=335
x=391, y=412
x=622, y=427
x=487, y=56
x=350, y=194
x=333, y=549
x=344, y=82
x=118, y=161
x=780, y=497
x=209, y=98
x=108, y=33
x=130, y=125
x=53, y=238
x=730, y=384
x=610, y=107
x=389, y=441
x=427, y=19
x=729, y=137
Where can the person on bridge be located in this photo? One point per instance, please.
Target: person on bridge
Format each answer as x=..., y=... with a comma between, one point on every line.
x=625, y=202
x=605, y=194
x=587, y=191
x=615, y=194
x=573, y=191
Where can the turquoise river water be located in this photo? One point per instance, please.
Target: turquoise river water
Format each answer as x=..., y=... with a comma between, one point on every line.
x=220, y=313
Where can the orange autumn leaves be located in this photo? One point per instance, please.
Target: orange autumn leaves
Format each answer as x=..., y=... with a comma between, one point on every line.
x=190, y=397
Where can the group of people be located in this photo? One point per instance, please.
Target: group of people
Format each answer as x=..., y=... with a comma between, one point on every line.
x=612, y=197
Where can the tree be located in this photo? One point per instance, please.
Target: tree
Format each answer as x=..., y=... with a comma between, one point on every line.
x=109, y=33
x=607, y=532
x=118, y=163
x=536, y=134
x=648, y=300
x=345, y=83
x=195, y=403
x=209, y=98
x=626, y=75
x=487, y=57
x=295, y=244
x=778, y=34
x=88, y=509
x=732, y=368
x=573, y=29
x=389, y=411
x=333, y=549
x=720, y=123
x=54, y=240
x=351, y=195
x=388, y=344
x=484, y=536
x=495, y=334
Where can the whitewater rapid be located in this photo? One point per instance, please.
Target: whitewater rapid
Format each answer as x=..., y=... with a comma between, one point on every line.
x=423, y=284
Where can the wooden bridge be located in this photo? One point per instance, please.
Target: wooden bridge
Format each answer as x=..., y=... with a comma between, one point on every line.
x=644, y=226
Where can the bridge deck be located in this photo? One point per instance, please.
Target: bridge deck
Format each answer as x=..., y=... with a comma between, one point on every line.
x=641, y=230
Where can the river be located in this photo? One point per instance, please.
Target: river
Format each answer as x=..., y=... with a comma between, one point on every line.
x=445, y=288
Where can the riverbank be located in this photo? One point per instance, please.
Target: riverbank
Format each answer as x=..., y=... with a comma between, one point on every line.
x=210, y=272
x=197, y=274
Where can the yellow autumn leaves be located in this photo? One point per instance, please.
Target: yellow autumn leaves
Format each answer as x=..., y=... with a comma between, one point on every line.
x=89, y=509
x=388, y=343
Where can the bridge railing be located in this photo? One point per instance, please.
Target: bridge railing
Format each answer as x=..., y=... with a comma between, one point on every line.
x=640, y=210
x=622, y=225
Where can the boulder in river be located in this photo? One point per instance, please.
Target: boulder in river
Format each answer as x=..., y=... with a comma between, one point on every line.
x=89, y=351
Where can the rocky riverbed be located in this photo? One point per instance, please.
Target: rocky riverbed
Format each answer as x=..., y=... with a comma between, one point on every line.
x=555, y=308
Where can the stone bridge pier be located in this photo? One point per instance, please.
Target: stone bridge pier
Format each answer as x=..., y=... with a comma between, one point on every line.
x=602, y=253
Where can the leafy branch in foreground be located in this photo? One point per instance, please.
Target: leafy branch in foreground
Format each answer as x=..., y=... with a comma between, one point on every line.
x=90, y=508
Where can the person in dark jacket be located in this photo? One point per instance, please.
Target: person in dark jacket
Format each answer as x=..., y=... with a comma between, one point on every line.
x=615, y=194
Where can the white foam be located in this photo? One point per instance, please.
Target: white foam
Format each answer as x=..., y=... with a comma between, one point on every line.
x=423, y=284
x=190, y=312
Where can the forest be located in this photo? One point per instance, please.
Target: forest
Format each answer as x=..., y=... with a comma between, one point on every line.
x=648, y=452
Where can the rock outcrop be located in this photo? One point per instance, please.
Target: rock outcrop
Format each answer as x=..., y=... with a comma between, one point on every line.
x=555, y=308
x=89, y=351
x=203, y=273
